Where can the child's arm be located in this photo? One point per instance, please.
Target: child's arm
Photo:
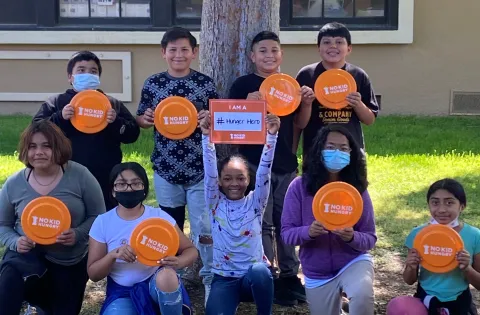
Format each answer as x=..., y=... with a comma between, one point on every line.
x=124, y=128
x=293, y=231
x=410, y=273
x=263, y=176
x=364, y=113
x=212, y=193
x=364, y=234
x=145, y=111
x=364, y=103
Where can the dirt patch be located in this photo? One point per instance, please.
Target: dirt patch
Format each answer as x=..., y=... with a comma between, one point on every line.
x=388, y=284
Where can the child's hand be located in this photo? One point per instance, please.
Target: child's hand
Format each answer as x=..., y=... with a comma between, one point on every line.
x=307, y=95
x=345, y=234
x=316, y=229
x=413, y=259
x=204, y=118
x=255, y=96
x=111, y=115
x=125, y=253
x=24, y=245
x=170, y=261
x=68, y=112
x=149, y=117
x=463, y=258
x=354, y=99
x=273, y=123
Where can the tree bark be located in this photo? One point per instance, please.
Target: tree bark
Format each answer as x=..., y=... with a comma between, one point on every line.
x=228, y=27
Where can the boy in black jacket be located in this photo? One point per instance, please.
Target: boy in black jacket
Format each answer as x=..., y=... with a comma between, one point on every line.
x=99, y=152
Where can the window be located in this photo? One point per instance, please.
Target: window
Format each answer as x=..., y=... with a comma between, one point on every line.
x=357, y=14
x=104, y=11
x=161, y=14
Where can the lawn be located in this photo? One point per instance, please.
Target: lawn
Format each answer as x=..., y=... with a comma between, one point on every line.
x=405, y=155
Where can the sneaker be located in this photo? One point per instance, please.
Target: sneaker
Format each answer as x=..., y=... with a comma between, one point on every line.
x=296, y=288
x=208, y=287
x=282, y=295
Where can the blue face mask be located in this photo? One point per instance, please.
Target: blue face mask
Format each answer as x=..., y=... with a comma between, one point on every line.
x=335, y=160
x=85, y=81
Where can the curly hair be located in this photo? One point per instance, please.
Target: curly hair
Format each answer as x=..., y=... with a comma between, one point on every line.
x=315, y=174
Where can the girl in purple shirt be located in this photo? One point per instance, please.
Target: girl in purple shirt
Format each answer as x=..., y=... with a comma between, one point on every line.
x=334, y=262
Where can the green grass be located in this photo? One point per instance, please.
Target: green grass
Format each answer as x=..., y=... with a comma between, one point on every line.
x=405, y=155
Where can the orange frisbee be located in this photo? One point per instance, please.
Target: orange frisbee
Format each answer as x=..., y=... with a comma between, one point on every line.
x=154, y=239
x=176, y=117
x=332, y=88
x=44, y=218
x=91, y=109
x=438, y=246
x=337, y=205
x=282, y=93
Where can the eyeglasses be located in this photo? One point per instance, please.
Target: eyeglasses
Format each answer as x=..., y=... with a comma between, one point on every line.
x=343, y=149
x=133, y=186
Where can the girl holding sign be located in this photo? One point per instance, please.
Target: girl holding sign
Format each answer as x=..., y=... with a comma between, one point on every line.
x=334, y=261
x=132, y=287
x=442, y=292
x=239, y=265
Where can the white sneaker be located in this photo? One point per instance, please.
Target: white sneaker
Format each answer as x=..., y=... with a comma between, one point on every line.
x=208, y=287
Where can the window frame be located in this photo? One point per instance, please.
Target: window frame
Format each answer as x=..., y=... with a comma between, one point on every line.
x=163, y=16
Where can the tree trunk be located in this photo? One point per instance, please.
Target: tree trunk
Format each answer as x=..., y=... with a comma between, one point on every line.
x=228, y=27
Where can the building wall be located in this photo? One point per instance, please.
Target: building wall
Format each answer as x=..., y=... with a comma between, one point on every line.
x=412, y=78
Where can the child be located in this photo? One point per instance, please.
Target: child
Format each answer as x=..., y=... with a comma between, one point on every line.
x=266, y=55
x=50, y=277
x=334, y=45
x=442, y=293
x=134, y=288
x=239, y=263
x=335, y=261
x=101, y=151
x=177, y=164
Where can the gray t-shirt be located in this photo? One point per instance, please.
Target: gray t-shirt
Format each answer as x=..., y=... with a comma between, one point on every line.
x=80, y=192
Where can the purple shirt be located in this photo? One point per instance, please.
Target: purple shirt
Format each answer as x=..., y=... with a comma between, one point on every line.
x=323, y=256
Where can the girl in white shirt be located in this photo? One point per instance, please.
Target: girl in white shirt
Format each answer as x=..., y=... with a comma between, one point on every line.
x=134, y=288
x=239, y=265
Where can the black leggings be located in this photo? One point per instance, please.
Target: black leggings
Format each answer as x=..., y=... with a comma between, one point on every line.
x=59, y=292
x=461, y=306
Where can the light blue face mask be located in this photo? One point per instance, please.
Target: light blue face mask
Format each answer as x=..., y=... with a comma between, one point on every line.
x=335, y=160
x=85, y=81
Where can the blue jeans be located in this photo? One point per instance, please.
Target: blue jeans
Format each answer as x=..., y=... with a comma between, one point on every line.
x=170, y=303
x=227, y=292
x=173, y=196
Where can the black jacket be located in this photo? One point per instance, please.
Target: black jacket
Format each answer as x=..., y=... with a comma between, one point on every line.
x=98, y=152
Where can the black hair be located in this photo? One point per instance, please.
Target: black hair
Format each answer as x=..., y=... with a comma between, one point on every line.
x=315, y=174
x=450, y=185
x=83, y=55
x=265, y=35
x=334, y=29
x=176, y=33
x=239, y=157
x=134, y=167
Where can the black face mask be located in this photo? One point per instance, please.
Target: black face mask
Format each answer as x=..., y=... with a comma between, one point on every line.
x=130, y=199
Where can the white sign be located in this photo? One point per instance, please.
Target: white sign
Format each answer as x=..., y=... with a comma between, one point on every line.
x=234, y=121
